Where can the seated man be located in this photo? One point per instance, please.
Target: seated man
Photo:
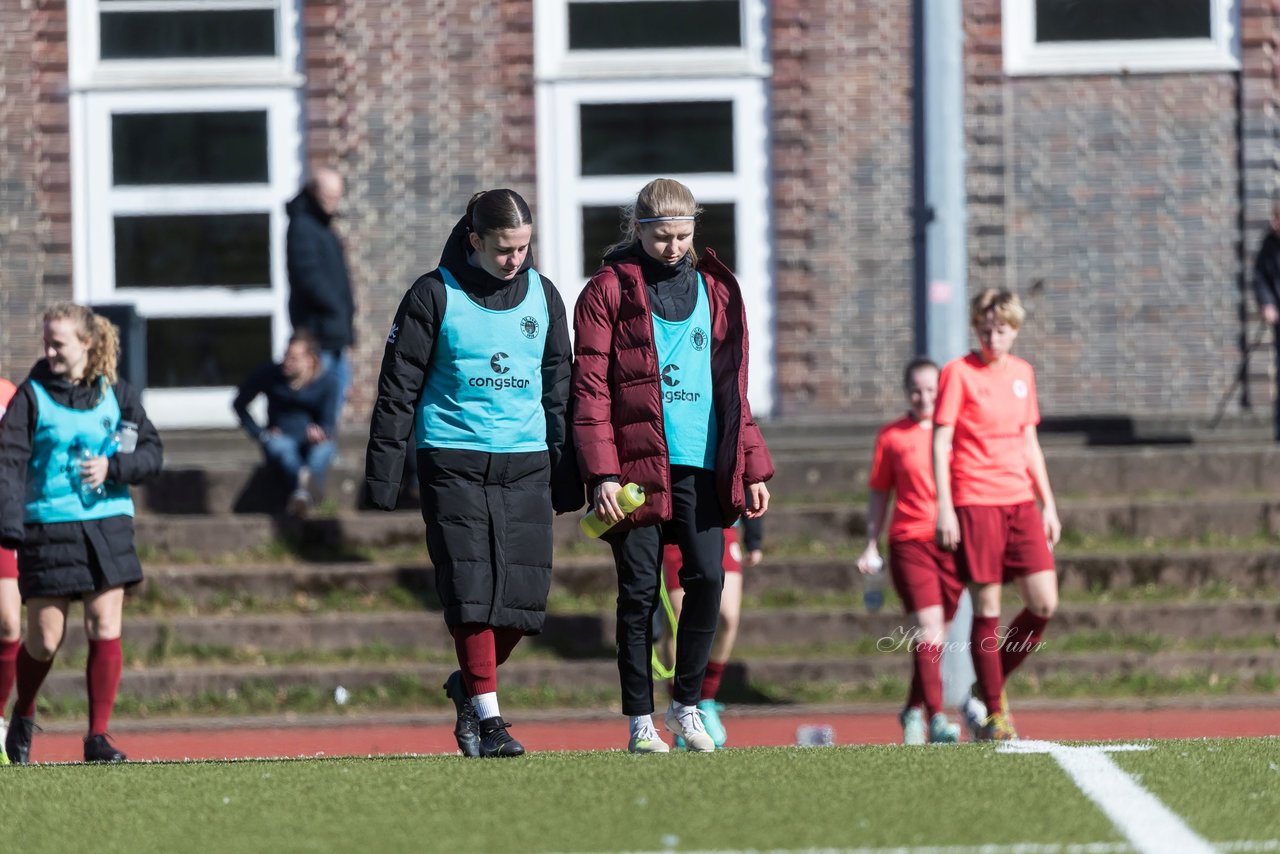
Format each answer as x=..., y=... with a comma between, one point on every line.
x=298, y=440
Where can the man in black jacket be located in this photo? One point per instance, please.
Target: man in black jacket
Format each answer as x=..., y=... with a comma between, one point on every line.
x=1266, y=287
x=320, y=299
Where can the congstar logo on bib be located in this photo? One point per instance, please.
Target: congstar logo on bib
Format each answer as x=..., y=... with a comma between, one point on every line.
x=670, y=379
x=496, y=363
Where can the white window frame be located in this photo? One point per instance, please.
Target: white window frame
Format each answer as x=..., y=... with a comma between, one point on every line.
x=88, y=70
x=554, y=61
x=99, y=89
x=563, y=192
x=567, y=79
x=1023, y=56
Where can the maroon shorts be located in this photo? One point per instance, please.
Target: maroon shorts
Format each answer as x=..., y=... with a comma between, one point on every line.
x=999, y=544
x=8, y=564
x=924, y=575
x=671, y=560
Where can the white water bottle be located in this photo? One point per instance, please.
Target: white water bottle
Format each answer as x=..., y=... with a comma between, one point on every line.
x=873, y=585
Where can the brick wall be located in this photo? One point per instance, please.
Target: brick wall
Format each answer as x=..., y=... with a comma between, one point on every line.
x=1260, y=179
x=1124, y=209
x=419, y=105
x=35, y=202
x=841, y=154
x=1112, y=205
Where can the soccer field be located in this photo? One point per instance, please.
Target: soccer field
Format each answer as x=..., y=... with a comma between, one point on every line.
x=1032, y=798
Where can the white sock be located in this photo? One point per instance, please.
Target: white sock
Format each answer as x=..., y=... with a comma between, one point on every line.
x=638, y=721
x=486, y=705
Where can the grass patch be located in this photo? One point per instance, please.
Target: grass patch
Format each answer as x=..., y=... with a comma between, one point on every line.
x=1212, y=591
x=153, y=601
x=263, y=697
x=766, y=798
x=785, y=799
x=1074, y=541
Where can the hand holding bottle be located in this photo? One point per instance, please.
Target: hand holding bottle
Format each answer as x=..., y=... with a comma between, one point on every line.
x=93, y=471
x=616, y=504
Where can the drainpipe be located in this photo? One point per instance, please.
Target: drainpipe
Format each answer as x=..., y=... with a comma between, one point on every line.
x=941, y=322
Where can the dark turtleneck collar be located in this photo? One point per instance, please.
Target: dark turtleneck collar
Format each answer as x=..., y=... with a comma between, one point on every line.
x=673, y=288
x=77, y=395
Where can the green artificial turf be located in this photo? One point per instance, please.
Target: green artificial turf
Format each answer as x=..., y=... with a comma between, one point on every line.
x=1225, y=789
x=775, y=798
x=783, y=799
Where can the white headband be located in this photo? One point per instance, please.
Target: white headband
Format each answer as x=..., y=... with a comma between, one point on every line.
x=665, y=218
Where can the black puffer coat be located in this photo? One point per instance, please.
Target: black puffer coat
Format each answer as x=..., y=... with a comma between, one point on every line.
x=488, y=516
x=71, y=558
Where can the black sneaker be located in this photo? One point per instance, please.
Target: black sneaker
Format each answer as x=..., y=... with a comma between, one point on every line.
x=98, y=749
x=17, y=743
x=496, y=741
x=467, y=730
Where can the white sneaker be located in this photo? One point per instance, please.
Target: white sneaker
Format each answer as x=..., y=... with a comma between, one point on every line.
x=688, y=725
x=4, y=733
x=973, y=712
x=645, y=738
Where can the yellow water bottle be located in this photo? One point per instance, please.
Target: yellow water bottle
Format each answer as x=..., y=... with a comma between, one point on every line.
x=630, y=497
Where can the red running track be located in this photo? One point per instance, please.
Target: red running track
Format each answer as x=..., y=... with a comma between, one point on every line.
x=746, y=730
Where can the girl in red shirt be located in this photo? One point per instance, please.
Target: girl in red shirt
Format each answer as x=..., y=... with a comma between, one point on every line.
x=924, y=575
x=989, y=471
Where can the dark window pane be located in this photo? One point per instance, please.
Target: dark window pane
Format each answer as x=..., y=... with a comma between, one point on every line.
x=602, y=227
x=203, y=35
x=227, y=250
x=1110, y=20
x=187, y=352
x=654, y=23
x=644, y=139
x=189, y=148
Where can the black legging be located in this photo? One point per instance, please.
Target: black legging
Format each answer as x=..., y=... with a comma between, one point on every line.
x=698, y=527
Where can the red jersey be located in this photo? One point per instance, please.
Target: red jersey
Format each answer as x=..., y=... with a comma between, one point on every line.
x=903, y=463
x=990, y=407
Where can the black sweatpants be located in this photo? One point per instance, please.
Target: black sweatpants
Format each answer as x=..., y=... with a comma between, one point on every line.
x=698, y=528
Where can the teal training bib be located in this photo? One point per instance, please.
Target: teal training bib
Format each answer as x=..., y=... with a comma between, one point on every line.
x=684, y=358
x=484, y=384
x=53, y=480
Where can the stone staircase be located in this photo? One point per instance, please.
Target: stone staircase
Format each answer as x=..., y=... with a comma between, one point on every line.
x=1169, y=573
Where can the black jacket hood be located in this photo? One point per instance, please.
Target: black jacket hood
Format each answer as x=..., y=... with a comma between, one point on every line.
x=456, y=255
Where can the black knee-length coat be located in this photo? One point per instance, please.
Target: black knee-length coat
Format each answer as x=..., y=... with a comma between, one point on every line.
x=71, y=558
x=488, y=515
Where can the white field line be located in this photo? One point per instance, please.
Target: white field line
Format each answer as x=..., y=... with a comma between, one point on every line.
x=1150, y=826
x=1248, y=846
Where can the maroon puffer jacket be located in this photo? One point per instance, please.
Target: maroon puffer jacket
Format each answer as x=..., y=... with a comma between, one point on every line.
x=617, y=390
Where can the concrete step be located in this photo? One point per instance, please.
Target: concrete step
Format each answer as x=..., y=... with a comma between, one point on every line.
x=224, y=482
x=774, y=680
x=591, y=635
x=204, y=585
x=830, y=523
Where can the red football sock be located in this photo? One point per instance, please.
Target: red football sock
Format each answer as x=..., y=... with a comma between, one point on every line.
x=984, y=645
x=711, y=679
x=928, y=671
x=31, y=675
x=102, y=675
x=477, y=657
x=8, y=670
x=504, y=642
x=1024, y=634
x=915, y=697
